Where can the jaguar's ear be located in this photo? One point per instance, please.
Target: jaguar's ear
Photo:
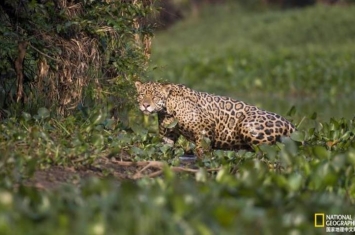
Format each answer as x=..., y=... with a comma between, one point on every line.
x=166, y=89
x=138, y=85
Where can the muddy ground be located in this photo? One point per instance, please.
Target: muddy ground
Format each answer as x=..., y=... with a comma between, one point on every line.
x=55, y=176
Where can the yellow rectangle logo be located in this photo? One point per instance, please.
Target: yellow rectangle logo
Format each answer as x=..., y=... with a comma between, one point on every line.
x=319, y=220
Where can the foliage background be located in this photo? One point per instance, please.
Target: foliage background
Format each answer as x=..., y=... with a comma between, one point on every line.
x=307, y=54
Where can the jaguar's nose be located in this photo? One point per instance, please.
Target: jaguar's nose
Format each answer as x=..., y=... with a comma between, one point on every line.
x=146, y=105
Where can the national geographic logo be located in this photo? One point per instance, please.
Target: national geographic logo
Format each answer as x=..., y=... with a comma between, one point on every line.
x=319, y=220
x=335, y=222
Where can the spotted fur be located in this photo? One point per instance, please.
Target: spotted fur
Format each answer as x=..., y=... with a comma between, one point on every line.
x=229, y=124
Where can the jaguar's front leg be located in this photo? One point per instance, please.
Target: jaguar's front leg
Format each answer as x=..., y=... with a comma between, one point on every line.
x=167, y=128
x=203, y=143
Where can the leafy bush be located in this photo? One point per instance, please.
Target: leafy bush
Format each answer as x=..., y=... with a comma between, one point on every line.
x=277, y=189
x=63, y=53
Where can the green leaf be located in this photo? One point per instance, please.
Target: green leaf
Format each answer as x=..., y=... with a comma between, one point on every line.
x=351, y=157
x=270, y=151
x=97, y=140
x=110, y=124
x=43, y=113
x=26, y=116
x=96, y=117
x=290, y=145
x=292, y=111
x=172, y=124
x=314, y=116
x=295, y=182
x=321, y=152
x=298, y=136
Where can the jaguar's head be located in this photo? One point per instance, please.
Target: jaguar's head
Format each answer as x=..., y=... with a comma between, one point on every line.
x=151, y=96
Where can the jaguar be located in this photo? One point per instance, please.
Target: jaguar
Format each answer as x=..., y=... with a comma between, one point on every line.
x=228, y=123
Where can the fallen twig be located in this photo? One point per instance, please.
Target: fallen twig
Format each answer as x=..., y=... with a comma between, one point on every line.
x=156, y=165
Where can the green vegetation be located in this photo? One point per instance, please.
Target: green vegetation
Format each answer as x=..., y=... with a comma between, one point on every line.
x=275, y=59
x=274, y=190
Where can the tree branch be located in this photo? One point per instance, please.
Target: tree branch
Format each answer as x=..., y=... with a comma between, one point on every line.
x=22, y=46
